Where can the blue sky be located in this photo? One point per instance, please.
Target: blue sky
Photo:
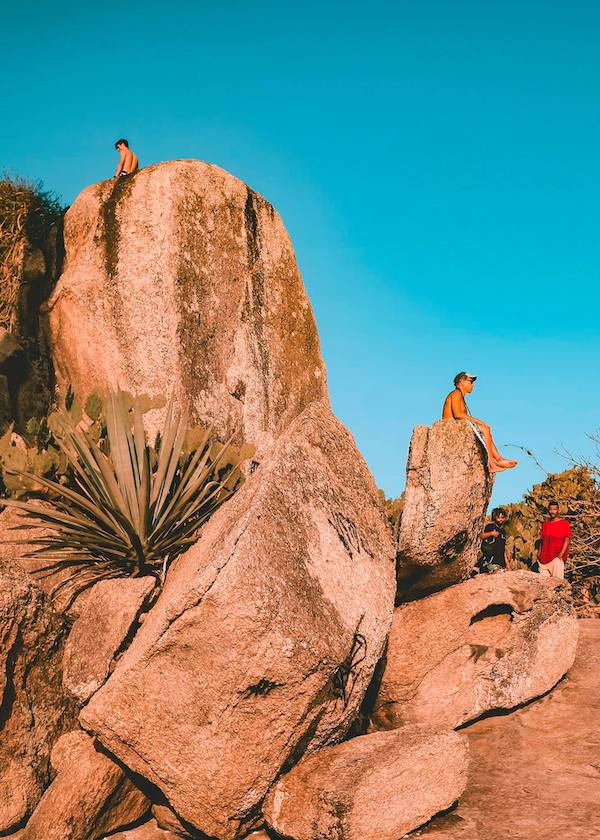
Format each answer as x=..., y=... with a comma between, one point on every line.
x=436, y=163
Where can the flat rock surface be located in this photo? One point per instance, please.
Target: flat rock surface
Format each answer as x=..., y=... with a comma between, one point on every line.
x=535, y=774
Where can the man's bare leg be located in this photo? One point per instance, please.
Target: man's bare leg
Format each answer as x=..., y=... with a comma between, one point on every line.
x=496, y=462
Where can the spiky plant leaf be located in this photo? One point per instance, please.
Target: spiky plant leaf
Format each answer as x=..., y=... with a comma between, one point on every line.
x=130, y=510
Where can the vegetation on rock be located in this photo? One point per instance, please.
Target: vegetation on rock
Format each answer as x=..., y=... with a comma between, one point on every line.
x=578, y=494
x=116, y=506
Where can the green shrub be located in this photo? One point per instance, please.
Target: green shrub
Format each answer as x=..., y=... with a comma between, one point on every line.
x=123, y=507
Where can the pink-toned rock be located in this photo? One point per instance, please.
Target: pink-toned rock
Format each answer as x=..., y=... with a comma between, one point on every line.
x=34, y=709
x=448, y=489
x=265, y=637
x=493, y=642
x=105, y=620
x=168, y=820
x=148, y=831
x=376, y=787
x=90, y=796
x=183, y=278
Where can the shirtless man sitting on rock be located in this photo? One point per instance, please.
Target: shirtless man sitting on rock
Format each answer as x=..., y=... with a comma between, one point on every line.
x=128, y=160
x=455, y=408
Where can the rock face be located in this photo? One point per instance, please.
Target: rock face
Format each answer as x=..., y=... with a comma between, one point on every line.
x=534, y=773
x=106, y=618
x=493, y=642
x=181, y=277
x=90, y=796
x=265, y=637
x=448, y=489
x=376, y=787
x=34, y=709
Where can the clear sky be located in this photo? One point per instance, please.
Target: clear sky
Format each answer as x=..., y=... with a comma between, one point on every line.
x=436, y=163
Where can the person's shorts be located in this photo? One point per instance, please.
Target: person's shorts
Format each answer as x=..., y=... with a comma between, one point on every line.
x=478, y=433
x=554, y=569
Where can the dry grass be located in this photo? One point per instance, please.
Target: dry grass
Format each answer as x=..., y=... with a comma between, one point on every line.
x=27, y=212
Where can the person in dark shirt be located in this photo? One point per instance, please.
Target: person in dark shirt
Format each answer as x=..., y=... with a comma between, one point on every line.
x=493, y=543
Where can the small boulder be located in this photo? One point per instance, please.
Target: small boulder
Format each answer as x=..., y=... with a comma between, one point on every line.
x=265, y=637
x=375, y=787
x=448, y=490
x=105, y=620
x=90, y=796
x=148, y=831
x=34, y=708
x=493, y=642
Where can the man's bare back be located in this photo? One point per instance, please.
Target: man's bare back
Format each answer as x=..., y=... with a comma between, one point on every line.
x=455, y=407
x=128, y=160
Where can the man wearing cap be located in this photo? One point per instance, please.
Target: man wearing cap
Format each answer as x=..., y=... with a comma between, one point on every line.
x=455, y=408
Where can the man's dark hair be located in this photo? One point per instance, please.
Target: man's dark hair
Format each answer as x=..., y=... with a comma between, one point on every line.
x=553, y=503
x=498, y=512
x=121, y=142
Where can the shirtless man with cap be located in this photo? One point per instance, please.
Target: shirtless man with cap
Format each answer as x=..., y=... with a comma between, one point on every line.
x=455, y=408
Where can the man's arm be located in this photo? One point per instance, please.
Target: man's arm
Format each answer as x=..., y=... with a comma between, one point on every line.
x=121, y=164
x=459, y=411
x=565, y=546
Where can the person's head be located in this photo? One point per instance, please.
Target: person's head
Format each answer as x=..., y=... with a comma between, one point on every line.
x=464, y=381
x=553, y=509
x=499, y=516
x=121, y=144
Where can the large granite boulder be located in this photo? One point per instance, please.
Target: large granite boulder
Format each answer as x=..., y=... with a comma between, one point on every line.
x=265, y=637
x=448, y=490
x=493, y=642
x=181, y=278
x=376, y=787
x=89, y=797
x=34, y=709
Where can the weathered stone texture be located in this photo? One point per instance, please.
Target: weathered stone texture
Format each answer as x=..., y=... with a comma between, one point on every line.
x=90, y=796
x=493, y=642
x=376, y=787
x=34, y=709
x=265, y=637
x=182, y=277
x=448, y=489
x=102, y=627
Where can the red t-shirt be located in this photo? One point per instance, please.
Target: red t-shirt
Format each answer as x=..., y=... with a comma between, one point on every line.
x=553, y=537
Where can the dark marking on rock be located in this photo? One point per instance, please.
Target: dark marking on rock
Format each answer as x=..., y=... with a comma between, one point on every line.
x=492, y=611
x=477, y=651
x=450, y=550
x=347, y=532
x=261, y=688
x=346, y=675
x=120, y=191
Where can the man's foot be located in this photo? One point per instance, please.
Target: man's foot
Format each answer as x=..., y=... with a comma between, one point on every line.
x=493, y=467
x=506, y=463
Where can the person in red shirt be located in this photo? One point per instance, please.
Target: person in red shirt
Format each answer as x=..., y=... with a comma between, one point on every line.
x=556, y=536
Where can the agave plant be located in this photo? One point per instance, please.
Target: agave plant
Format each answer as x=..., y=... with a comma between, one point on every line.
x=131, y=508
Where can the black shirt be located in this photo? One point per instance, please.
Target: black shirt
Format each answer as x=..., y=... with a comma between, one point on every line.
x=492, y=548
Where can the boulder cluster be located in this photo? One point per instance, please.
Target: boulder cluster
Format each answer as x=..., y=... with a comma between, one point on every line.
x=303, y=670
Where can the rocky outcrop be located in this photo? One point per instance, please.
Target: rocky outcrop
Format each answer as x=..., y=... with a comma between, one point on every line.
x=493, y=642
x=265, y=637
x=90, y=796
x=376, y=787
x=148, y=831
x=534, y=773
x=34, y=709
x=104, y=623
x=182, y=277
x=448, y=489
